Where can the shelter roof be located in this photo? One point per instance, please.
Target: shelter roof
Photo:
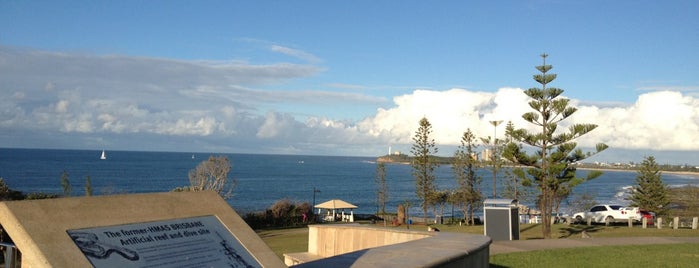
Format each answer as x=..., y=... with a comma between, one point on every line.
x=335, y=204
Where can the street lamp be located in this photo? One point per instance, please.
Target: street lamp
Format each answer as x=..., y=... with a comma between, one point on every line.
x=314, y=196
x=495, y=124
x=315, y=217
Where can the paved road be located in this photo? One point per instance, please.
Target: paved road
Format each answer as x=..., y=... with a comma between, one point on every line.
x=501, y=247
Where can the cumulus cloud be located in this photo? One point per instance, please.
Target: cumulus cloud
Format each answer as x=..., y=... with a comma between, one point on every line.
x=663, y=120
x=80, y=100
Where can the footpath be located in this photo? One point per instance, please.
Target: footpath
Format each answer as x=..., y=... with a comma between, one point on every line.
x=502, y=247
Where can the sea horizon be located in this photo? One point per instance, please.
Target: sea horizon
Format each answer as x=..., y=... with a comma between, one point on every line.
x=261, y=179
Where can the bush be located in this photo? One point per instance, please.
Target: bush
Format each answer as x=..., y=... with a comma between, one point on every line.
x=283, y=213
x=684, y=201
x=33, y=196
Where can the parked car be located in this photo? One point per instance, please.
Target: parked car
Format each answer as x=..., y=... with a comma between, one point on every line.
x=650, y=216
x=611, y=213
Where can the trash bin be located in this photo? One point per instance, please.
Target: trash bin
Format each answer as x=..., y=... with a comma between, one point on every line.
x=501, y=218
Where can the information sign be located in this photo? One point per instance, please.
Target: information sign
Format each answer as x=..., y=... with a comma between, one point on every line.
x=188, y=242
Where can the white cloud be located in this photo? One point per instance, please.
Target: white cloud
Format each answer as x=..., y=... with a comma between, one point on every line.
x=296, y=53
x=105, y=98
x=662, y=120
x=658, y=120
x=62, y=106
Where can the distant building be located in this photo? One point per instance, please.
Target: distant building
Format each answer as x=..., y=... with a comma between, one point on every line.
x=474, y=156
x=487, y=154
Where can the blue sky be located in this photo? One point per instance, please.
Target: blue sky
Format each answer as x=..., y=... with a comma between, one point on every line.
x=338, y=77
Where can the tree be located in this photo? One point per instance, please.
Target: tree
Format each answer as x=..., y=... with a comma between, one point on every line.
x=423, y=164
x=493, y=158
x=551, y=168
x=582, y=202
x=650, y=193
x=382, y=187
x=65, y=184
x=468, y=195
x=439, y=198
x=211, y=175
x=88, y=186
x=8, y=194
x=514, y=188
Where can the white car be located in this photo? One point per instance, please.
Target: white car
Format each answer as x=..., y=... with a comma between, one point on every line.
x=610, y=213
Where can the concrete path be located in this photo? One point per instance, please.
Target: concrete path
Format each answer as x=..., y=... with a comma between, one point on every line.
x=502, y=247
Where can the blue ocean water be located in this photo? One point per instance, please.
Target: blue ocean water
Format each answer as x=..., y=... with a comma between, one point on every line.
x=260, y=179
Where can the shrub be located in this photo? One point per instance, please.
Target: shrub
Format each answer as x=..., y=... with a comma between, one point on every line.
x=283, y=213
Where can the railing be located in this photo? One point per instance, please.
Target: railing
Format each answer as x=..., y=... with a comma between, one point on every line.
x=10, y=256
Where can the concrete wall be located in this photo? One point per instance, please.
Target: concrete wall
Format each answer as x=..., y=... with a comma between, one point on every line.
x=331, y=240
x=362, y=246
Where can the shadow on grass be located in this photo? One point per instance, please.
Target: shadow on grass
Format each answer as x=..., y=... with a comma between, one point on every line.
x=567, y=232
x=529, y=227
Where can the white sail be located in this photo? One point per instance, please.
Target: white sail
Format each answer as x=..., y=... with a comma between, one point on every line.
x=104, y=155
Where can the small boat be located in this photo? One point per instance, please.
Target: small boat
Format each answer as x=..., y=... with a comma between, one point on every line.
x=104, y=155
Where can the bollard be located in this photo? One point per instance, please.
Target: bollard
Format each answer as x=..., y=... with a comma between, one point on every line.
x=589, y=221
x=644, y=222
x=659, y=223
x=695, y=222
x=630, y=222
x=675, y=222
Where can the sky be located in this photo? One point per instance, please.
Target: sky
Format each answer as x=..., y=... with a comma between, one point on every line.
x=349, y=78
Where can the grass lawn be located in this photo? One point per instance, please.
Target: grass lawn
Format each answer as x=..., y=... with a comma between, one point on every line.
x=285, y=240
x=676, y=255
x=670, y=255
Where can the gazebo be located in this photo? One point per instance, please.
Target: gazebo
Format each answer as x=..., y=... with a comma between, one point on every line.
x=334, y=205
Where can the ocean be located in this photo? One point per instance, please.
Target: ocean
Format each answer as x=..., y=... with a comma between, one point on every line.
x=261, y=180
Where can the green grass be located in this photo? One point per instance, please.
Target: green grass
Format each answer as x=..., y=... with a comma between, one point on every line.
x=285, y=240
x=533, y=231
x=670, y=255
x=674, y=255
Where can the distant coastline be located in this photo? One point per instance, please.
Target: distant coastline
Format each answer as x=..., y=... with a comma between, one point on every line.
x=668, y=169
x=690, y=173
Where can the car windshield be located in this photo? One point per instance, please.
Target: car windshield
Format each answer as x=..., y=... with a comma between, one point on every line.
x=615, y=207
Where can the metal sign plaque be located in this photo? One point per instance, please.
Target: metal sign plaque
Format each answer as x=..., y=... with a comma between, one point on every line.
x=188, y=242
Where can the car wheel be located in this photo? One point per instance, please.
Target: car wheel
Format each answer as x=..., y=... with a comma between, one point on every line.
x=610, y=219
x=578, y=219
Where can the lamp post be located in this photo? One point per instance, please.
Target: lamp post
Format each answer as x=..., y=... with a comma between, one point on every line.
x=495, y=124
x=314, y=196
x=315, y=217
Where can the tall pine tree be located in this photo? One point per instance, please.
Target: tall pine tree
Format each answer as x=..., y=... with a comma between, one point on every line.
x=551, y=168
x=468, y=195
x=650, y=193
x=423, y=165
x=381, y=188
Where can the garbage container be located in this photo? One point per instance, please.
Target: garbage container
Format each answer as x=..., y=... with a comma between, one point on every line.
x=501, y=218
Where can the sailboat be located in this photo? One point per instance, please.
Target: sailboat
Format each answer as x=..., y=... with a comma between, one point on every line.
x=104, y=155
